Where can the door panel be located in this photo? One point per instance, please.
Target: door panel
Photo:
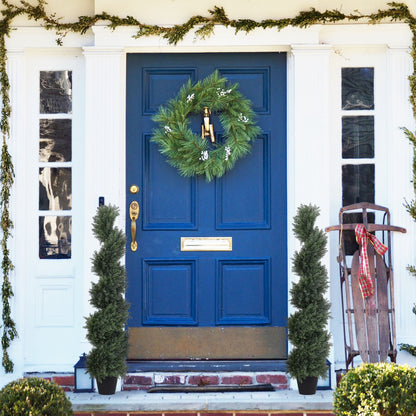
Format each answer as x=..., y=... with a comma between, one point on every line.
x=249, y=209
x=243, y=295
x=178, y=210
x=169, y=292
x=253, y=83
x=197, y=304
x=160, y=82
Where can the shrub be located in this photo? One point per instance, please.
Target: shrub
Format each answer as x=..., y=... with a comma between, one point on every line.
x=34, y=397
x=384, y=389
x=106, y=326
x=307, y=326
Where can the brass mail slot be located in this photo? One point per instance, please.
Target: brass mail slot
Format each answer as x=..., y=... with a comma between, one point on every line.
x=206, y=243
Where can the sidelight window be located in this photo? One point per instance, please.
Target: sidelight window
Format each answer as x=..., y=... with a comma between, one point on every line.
x=55, y=164
x=358, y=142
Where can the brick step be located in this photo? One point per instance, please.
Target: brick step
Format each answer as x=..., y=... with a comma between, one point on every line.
x=144, y=381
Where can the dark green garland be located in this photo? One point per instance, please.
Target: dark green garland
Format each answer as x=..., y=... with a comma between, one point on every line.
x=396, y=12
x=411, y=206
x=7, y=179
x=187, y=151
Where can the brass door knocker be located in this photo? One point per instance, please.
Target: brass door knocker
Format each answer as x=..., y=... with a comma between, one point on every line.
x=207, y=129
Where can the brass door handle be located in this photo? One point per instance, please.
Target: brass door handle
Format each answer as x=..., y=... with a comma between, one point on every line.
x=134, y=215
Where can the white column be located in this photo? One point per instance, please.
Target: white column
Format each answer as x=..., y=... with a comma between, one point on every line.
x=308, y=138
x=104, y=142
x=308, y=132
x=400, y=187
x=308, y=127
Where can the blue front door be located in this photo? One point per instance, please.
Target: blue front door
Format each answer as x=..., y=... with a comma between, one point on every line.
x=207, y=303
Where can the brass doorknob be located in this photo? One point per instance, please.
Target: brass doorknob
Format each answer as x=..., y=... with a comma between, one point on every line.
x=134, y=189
x=134, y=211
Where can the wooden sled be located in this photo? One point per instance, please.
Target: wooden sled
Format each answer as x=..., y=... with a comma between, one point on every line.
x=369, y=325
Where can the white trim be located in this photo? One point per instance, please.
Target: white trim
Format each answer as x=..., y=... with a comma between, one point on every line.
x=104, y=144
x=264, y=40
x=222, y=40
x=308, y=126
x=399, y=154
x=362, y=35
x=29, y=37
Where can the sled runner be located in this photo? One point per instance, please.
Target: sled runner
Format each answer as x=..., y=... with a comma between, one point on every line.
x=367, y=290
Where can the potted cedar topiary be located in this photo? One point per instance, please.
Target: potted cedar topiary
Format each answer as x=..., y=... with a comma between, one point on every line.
x=106, y=326
x=307, y=325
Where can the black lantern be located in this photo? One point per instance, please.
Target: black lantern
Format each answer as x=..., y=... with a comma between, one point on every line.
x=83, y=382
x=325, y=384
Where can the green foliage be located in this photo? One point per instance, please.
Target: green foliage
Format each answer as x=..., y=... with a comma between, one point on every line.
x=34, y=397
x=411, y=349
x=383, y=389
x=187, y=151
x=411, y=270
x=106, y=326
x=7, y=180
x=307, y=326
x=218, y=16
x=411, y=206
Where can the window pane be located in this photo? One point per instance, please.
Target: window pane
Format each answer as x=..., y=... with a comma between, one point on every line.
x=55, y=140
x=55, y=92
x=358, y=137
x=55, y=237
x=55, y=191
x=357, y=88
x=357, y=184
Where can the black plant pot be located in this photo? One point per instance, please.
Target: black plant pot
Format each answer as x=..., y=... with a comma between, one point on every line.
x=107, y=386
x=308, y=385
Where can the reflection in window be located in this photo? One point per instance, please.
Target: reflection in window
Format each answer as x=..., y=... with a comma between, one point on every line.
x=55, y=140
x=357, y=184
x=358, y=142
x=358, y=137
x=55, y=191
x=55, y=237
x=357, y=88
x=55, y=92
x=55, y=164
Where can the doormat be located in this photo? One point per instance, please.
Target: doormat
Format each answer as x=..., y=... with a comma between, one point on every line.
x=210, y=389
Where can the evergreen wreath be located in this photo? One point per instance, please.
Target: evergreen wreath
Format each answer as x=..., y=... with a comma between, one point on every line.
x=189, y=152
